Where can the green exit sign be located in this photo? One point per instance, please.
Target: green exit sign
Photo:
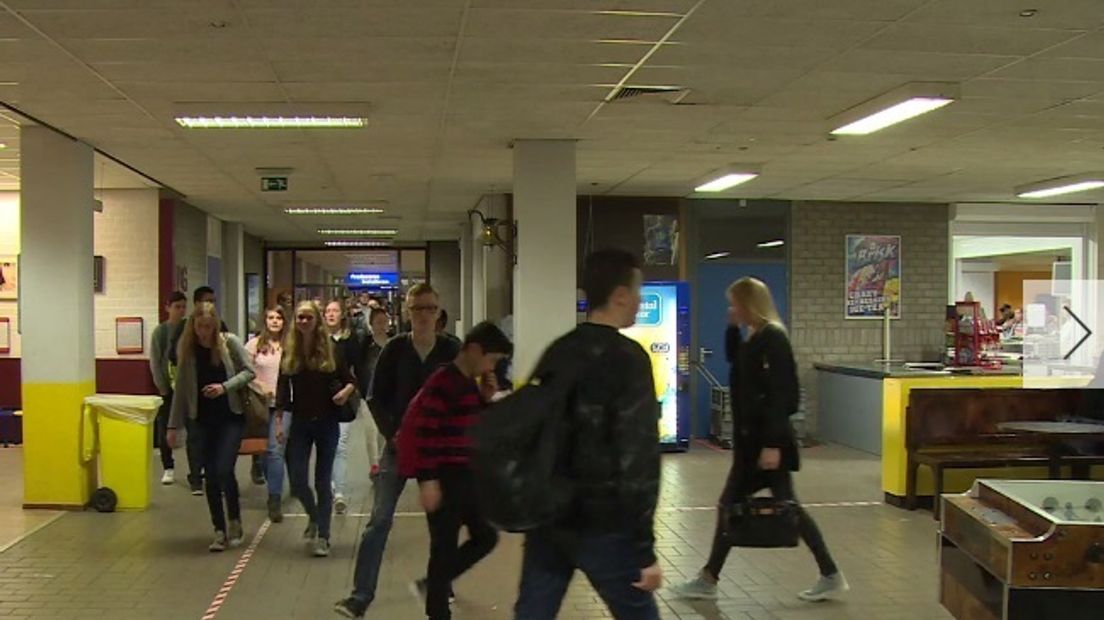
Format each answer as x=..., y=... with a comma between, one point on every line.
x=274, y=184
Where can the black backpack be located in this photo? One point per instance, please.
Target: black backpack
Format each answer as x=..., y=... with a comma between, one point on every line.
x=518, y=443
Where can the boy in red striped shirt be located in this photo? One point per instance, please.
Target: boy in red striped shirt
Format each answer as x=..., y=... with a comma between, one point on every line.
x=434, y=445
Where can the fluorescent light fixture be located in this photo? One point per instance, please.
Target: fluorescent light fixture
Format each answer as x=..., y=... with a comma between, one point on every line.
x=271, y=122
x=359, y=232
x=357, y=243
x=716, y=255
x=777, y=243
x=333, y=210
x=896, y=106
x=3, y=145
x=725, y=180
x=1062, y=185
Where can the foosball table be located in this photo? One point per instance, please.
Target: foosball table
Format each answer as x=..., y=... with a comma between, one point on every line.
x=1024, y=550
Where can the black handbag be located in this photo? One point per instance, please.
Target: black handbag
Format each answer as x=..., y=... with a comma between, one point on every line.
x=763, y=523
x=348, y=411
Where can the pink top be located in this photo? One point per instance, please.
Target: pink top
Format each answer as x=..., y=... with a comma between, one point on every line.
x=267, y=365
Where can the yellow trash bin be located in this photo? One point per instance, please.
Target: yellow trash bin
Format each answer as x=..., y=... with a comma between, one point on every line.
x=119, y=429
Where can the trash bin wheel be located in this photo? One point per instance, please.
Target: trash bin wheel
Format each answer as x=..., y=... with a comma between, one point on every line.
x=104, y=500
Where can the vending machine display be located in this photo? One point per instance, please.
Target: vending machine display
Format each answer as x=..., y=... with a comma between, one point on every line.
x=663, y=329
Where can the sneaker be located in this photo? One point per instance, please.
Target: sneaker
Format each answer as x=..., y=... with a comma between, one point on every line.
x=168, y=477
x=275, y=513
x=219, y=544
x=340, y=505
x=311, y=532
x=420, y=590
x=350, y=608
x=235, y=535
x=826, y=588
x=197, y=488
x=699, y=588
x=321, y=548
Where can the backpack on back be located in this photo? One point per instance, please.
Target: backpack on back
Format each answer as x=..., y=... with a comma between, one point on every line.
x=517, y=447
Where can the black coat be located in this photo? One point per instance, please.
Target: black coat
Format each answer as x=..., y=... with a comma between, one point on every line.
x=765, y=393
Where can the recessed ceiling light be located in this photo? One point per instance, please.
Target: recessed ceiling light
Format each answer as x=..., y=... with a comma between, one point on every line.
x=357, y=243
x=777, y=243
x=332, y=210
x=359, y=232
x=3, y=145
x=628, y=13
x=271, y=122
x=1062, y=185
x=725, y=179
x=1029, y=12
x=716, y=255
x=896, y=106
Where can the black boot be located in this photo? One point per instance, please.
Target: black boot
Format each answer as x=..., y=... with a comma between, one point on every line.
x=275, y=514
x=258, y=473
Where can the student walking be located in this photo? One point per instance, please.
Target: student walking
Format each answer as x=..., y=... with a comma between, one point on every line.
x=403, y=367
x=314, y=384
x=266, y=351
x=765, y=394
x=435, y=447
x=213, y=370
x=164, y=377
x=348, y=343
x=379, y=324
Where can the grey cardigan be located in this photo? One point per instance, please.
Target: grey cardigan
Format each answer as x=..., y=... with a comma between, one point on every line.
x=239, y=369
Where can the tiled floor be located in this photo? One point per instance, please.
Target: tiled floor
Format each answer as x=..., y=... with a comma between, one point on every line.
x=155, y=564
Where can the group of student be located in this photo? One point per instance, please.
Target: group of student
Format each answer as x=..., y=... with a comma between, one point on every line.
x=426, y=391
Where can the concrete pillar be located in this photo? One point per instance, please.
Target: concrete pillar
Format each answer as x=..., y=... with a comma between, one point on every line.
x=444, y=276
x=467, y=294
x=233, y=277
x=56, y=315
x=544, y=278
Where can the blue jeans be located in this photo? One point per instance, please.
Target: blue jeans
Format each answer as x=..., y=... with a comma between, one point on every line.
x=274, y=461
x=388, y=488
x=341, y=461
x=321, y=434
x=607, y=560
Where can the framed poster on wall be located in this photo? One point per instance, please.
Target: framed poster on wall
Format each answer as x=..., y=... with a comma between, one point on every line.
x=9, y=278
x=130, y=338
x=5, y=334
x=873, y=276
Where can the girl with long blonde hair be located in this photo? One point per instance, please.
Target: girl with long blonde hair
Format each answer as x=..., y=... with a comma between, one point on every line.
x=314, y=384
x=212, y=370
x=267, y=350
x=764, y=394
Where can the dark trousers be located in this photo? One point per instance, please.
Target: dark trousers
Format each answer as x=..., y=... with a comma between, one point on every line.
x=608, y=561
x=193, y=447
x=320, y=434
x=160, y=428
x=745, y=480
x=219, y=437
x=447, y=561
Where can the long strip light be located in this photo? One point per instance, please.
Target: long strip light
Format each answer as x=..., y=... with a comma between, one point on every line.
x=1060, y=186
x=271, y=122
x=356, y=243
x=359, y=232
x=777, y=243
x=717, y=255
x=333, y=210
x=892, y=115
x=725, y=181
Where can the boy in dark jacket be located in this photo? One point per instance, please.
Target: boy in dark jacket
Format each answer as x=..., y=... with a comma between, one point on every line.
x=435, y=446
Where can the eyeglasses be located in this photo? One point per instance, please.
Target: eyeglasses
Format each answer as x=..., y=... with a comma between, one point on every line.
x=424, y=308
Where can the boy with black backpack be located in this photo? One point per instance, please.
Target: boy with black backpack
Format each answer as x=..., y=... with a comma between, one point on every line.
x=434, y=446
x=572, y=458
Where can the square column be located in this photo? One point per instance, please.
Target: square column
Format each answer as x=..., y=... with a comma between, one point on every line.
x=233, y=278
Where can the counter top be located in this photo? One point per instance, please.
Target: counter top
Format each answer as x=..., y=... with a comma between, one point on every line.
x=897, y=371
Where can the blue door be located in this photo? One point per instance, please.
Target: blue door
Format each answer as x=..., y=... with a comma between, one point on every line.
x=711, y=312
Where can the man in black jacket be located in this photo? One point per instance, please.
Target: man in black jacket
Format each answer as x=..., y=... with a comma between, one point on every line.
x=403, y=366
x=612, y=457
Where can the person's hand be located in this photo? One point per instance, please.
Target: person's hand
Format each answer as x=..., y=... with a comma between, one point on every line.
x=342, y=396
x=270, y=396
x=214, y=390
x=488, y=387
x=279, y=422
x=770, y=459
x=651, y=578
x=170, y=437
x=430, y=495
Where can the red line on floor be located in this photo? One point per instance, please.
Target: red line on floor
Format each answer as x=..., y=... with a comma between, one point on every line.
x=232, y=578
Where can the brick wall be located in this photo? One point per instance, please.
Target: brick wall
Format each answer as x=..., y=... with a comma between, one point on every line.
x=126, y=236
x=819, y=331
x=9, y=246
x=190, y=245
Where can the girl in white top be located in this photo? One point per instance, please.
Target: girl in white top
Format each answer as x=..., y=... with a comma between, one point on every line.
x=267, y=350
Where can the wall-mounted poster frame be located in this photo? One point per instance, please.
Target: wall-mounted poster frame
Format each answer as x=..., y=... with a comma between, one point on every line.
x=5, y=335
x=872, y=265
x=9, y=278
x=130, y=337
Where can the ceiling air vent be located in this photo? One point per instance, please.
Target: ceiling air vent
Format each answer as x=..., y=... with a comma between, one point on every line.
x=632, y=92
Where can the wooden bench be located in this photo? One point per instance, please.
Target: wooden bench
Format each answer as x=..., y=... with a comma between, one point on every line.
x=959, y=429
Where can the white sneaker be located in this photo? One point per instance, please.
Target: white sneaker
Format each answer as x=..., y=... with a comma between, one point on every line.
x=826, y=587
x=168, y=477
x=340, y=505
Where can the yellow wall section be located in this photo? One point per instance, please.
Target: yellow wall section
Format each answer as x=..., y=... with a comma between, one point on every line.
x=53, y=474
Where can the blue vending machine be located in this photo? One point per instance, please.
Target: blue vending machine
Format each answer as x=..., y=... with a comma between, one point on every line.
x=663, y=329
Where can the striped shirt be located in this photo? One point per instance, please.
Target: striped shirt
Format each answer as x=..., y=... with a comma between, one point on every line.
x=435, y=431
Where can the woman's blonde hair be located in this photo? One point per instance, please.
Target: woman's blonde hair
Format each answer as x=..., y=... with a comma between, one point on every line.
x=186, y=348
x=321, y=355
x=265, y=340
x=756, y=300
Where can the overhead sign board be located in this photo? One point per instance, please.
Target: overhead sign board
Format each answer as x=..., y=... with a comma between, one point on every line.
x=274, y=184
x=357, y=279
